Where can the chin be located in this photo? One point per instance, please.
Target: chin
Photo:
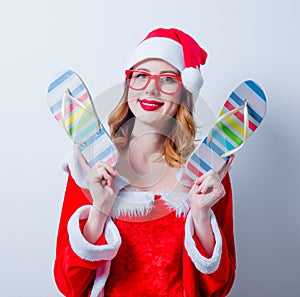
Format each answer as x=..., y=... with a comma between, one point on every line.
x=157, y=120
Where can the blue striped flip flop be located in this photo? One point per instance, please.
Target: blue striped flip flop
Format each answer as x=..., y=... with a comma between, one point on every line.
x=71, y=104
x=240, y=116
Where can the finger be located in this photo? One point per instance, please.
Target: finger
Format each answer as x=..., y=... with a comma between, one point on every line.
x=201, y=178
x=212, y=181
x=226, y=167
x=85, y=166
x=102, y=173
x=203, y=188
x=107, y=182
x=109, y=168
x=229, y=162
x=207, y=186
x=104, y=179
x=111, y=183
x=202, y=184
x=212, y=197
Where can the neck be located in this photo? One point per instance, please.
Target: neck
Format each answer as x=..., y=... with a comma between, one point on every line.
x=147, y=143
x=149, y=136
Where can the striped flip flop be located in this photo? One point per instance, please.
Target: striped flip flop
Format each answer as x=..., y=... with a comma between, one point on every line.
x=240, y=116
x=71, y=104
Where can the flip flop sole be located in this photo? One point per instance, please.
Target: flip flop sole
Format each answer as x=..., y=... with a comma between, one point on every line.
x=82, y=125
x=228, y=134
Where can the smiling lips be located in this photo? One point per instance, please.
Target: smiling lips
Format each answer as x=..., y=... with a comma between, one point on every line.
x=150, y=105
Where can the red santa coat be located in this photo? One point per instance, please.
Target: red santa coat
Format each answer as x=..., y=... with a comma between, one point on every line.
x=84, y=269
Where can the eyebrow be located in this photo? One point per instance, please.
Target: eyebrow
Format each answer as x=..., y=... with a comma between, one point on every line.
x=162, y=72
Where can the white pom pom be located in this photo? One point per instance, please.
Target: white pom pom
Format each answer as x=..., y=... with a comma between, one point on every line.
x=192, y=80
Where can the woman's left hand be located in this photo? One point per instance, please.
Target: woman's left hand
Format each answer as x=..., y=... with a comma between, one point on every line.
x=208, y=190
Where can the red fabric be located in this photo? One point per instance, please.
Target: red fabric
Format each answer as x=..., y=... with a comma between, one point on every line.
x=75, y=276
x=194, y=55
x=149, y=261
x=219, y=283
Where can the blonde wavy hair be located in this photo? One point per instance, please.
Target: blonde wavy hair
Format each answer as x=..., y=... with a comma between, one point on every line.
x=180, y=142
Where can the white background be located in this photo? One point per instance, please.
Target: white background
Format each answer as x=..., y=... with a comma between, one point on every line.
x=245, y=39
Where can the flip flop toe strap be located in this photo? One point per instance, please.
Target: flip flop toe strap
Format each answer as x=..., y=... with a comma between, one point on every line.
x=67, y=95
x=243, y=107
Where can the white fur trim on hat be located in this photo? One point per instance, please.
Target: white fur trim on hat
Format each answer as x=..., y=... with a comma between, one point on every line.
x=192, y=80
x=159, y=47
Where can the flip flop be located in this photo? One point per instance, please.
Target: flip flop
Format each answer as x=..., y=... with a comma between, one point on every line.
x=240, y=116
x=71, y=104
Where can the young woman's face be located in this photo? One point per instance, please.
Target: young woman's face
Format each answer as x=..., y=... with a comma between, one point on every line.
x=152, y=103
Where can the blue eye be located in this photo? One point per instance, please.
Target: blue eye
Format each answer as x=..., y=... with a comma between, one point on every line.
x=139, y=75
x=168, y=79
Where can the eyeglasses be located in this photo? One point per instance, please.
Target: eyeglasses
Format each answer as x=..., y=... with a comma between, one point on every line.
x=166, y=83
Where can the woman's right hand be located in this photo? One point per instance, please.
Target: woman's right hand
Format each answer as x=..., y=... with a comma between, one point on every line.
x=100, y=182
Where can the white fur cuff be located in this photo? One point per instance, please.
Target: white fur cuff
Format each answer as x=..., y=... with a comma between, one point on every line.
x=86, y=250
x=202, y=263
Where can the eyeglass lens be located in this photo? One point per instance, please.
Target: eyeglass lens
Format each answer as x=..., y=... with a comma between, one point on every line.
x=166, y=83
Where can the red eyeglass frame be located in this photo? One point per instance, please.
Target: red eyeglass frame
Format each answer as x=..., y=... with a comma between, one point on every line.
x=150, y=76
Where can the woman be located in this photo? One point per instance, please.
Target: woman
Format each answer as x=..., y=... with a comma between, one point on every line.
x=154, y=236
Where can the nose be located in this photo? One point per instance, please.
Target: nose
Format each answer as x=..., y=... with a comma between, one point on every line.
x=152, y=87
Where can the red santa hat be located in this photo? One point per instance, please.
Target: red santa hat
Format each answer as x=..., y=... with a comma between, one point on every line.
x=178, y=49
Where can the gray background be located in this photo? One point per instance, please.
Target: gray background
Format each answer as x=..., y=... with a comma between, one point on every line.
x=245, y=39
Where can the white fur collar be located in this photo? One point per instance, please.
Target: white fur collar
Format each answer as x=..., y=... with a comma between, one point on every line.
x=132, y=202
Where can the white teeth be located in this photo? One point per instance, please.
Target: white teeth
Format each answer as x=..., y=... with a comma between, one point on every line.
x=151, y=104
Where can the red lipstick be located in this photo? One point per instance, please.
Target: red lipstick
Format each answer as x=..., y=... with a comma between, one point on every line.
x=150, y=105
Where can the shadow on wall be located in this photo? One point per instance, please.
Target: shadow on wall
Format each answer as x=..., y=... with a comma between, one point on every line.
x=266, y=189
